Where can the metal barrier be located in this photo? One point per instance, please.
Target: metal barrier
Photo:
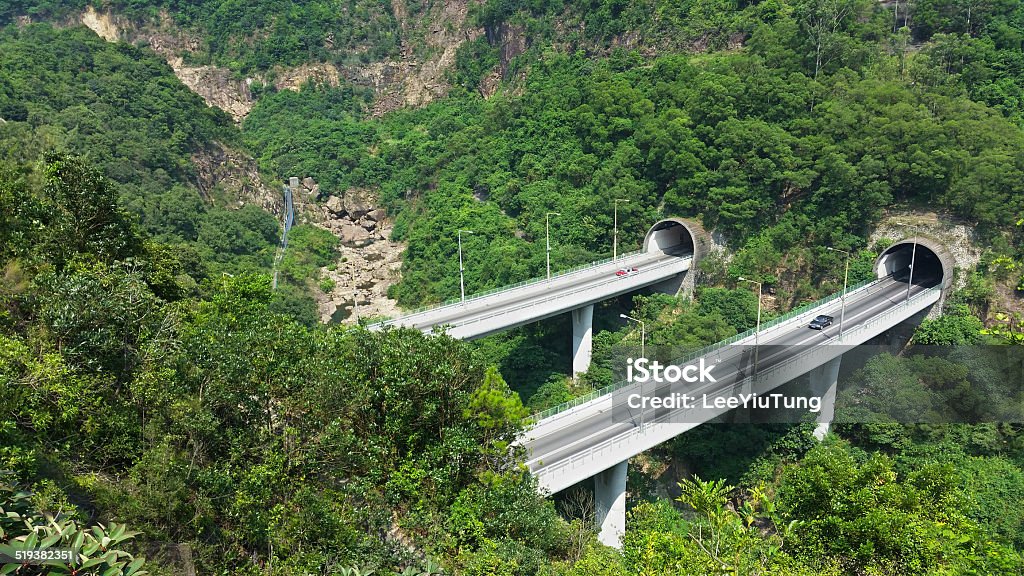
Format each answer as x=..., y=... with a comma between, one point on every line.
x=538, y=302
x=478, y=295
x=633, y=434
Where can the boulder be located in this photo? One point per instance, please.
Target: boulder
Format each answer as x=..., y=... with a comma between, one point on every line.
x=376, y=215
x=353, y=235
x=308, y=183
x=335, y=205
x=359, y=201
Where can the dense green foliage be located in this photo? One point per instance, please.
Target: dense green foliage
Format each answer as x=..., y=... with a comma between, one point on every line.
x=94, y=551
x=122, y=109
x=119, y=105
x=215, y=421
x=248, y=36
x=149, y=375
x=780, y=152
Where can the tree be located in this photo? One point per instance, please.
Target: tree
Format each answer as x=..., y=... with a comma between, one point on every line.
x=83, y=213
x=495, y=409
x=954, y=328
x=825, y=22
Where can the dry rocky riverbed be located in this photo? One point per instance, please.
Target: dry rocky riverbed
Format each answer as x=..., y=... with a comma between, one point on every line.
x=369, y=262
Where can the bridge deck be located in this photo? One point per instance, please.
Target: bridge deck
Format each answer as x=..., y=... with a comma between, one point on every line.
x=571, y=446
x=484, y=315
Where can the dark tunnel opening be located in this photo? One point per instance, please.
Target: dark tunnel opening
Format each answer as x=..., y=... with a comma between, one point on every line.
x=923, y=267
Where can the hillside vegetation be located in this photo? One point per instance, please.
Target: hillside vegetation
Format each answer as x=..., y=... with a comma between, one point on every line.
x=781, y=147
x=150, y=377
x=274, y=448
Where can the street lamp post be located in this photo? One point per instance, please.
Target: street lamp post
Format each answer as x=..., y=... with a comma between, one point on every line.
x=913, y=255
x=846, y=275
x=643, y=354
x=615, y=235
x=757, y=330
x=547, y=236
x=462, y=279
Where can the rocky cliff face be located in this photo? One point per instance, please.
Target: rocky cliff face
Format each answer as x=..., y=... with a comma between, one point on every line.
x=237, y=177
x=218, y=86
x=416, y=78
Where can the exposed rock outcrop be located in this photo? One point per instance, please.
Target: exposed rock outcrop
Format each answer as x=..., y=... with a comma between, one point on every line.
x=416, y=78
x=217, y=86
x=102, y=24
x=237, y=175
x=361, y=280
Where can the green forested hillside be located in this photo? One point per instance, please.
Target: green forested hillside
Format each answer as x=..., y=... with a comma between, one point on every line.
x=274, y=448
x=117, y=104
x=248, y=37
x=120, y=107
x=123, y=110
x=216, y=421
x=779, y=162
x=149, y=376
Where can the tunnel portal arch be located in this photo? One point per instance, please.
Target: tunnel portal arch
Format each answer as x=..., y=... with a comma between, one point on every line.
x=933, y=263
x=678, y=236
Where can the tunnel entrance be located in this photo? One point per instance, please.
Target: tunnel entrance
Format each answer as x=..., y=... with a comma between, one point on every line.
x=676, y=236
x=932, y=264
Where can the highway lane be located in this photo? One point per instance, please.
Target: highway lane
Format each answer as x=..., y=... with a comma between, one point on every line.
x=576, y=435
x=651, y=269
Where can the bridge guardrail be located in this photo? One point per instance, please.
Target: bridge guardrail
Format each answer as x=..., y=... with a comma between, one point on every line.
x=492, y=291
x=803, y=309
x=627, y=437
x=533, y=303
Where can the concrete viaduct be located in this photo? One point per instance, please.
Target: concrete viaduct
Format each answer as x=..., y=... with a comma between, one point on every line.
x=589, y=439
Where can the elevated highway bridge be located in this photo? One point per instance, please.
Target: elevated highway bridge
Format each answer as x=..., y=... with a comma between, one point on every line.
x=585, y=439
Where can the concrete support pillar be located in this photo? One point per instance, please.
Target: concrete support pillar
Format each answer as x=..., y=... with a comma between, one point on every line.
x=582, y=338
x=824, y=380
x=610, y=504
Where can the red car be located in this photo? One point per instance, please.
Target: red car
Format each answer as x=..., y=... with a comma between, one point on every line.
x=626, y=272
